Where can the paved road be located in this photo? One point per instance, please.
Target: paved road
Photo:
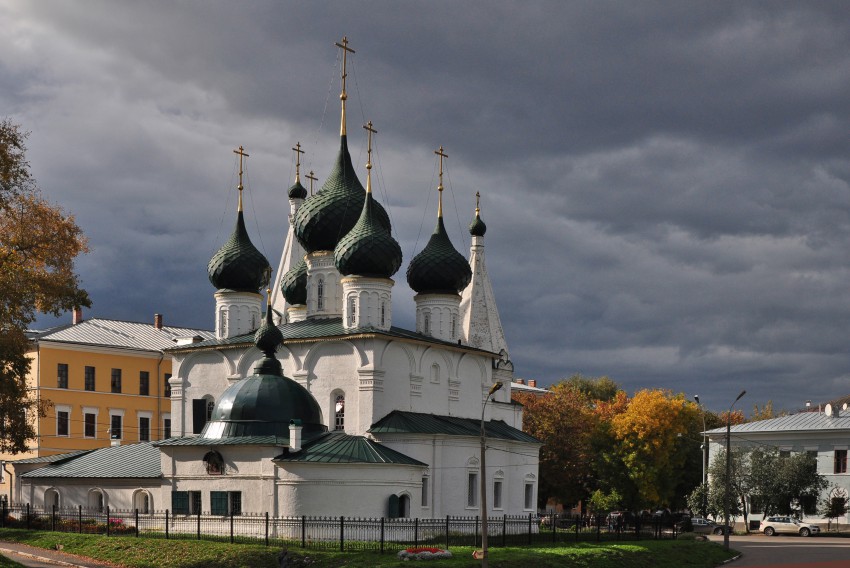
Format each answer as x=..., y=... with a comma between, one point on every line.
x=790, y=551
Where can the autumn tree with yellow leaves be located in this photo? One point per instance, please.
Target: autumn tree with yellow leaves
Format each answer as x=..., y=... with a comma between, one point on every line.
x=38, y=245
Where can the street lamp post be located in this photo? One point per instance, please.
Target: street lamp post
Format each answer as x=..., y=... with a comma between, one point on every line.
x=493, y=389
x=704, y=449
x=726, y=497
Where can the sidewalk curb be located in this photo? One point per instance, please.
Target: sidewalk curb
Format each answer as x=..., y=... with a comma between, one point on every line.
x=733, y=559
x=40, y=558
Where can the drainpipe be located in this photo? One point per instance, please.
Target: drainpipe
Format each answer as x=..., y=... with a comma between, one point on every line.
x=11, y=481
x=159, y=393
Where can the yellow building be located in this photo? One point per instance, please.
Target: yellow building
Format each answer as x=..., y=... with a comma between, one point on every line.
x=104, y=381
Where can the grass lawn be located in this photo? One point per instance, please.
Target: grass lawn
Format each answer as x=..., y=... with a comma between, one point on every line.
x=148, y=553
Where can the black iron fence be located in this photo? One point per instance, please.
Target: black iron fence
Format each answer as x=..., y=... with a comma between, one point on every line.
x=337, y=533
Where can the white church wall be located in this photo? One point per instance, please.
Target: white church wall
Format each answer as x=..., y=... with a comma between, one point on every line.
x=361, y=490
x=117, y=493
x=332, y=367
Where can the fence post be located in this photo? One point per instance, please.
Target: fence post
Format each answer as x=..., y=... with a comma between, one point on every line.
x=416, y=532
x=53, y=517
x=137, y=523
x=598, y=528
x=107, y=520
x=382, y=535
x=504, y=530
x=267, y=528
x=231, y=527
x=529, y=528
x=199, y=524
x=554, y=518
x=342, y=533
x=447, y=532
x=303, y=531
x=166, y=524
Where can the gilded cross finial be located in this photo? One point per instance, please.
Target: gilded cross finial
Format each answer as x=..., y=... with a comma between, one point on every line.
x=343, y=96
x=371, y=131
x=298, y=151
x=440, y=187
x=312, y=177
x=240, y=187
x=477, y=202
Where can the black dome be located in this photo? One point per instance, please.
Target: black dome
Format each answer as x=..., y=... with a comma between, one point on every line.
x=297, y=191
x=477, y=228
x=368, y=249
x=238, y=265
x=293, y=284
x=330, y=214
x=439, y=268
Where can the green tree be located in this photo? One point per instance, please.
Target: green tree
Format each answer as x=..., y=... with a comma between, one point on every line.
x=784, y=483
x=563, y=420
x=594, y=388
x=38, y=245
x=834, y=505
x=739, y=484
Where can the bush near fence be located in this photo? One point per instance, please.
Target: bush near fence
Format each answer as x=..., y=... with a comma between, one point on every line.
x=337, y=533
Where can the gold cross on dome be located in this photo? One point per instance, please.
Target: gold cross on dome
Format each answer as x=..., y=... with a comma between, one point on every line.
x=298, y=151
x=342, y=96
x=368, y=127
x=312, y=177
x=240, y=187
x=440, y=187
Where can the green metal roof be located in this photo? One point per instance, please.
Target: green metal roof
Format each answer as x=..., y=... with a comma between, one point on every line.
x=130, y=461
x=323, y=329
x=56, y=458
x=338, y=447
x=402, y=422
x=244, y=440
x=477, y=228
x=297, y=191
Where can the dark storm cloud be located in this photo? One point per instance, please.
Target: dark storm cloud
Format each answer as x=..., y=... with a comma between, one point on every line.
x=665, y=183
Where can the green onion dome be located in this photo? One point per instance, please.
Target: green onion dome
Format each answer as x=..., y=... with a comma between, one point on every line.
x=238, y=265
x=368, y=249
x=477, y=228
x=331, y=213
x=439, y=268
x=297, y=191
x=293, y=284
x=265, y=403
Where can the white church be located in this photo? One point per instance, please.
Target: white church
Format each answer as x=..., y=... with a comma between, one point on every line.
x=309, y=401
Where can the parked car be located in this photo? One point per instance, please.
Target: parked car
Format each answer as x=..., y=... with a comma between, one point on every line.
x=787, y=525
x=704, y=526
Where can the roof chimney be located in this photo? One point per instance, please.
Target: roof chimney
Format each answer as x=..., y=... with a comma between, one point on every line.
x=520, y=381
x=157, y=321
x=808, y=404
x=78, y=315
x=532, y=383
x=295, y=428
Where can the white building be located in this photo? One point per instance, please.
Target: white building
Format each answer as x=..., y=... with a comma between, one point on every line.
x=823, y=434
x=328, y=409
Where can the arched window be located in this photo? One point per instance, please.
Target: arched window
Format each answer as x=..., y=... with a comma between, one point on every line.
x=51, y=499
x=320, y=295
x=222, y=322
x=97, y=500
x=352, y=311
x=426, y=324
x=454, y=326
x=142, y=502
x=404, y=506
x=383, y=313
x=339, y=412
x=435, y=373
x=214, y=463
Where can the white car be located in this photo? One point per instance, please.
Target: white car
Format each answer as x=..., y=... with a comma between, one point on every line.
x=774, y=525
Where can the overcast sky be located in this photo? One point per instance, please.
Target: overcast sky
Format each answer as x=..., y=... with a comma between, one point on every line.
x=665, y=184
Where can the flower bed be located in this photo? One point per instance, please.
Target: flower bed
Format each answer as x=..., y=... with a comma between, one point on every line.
x=423, y=553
